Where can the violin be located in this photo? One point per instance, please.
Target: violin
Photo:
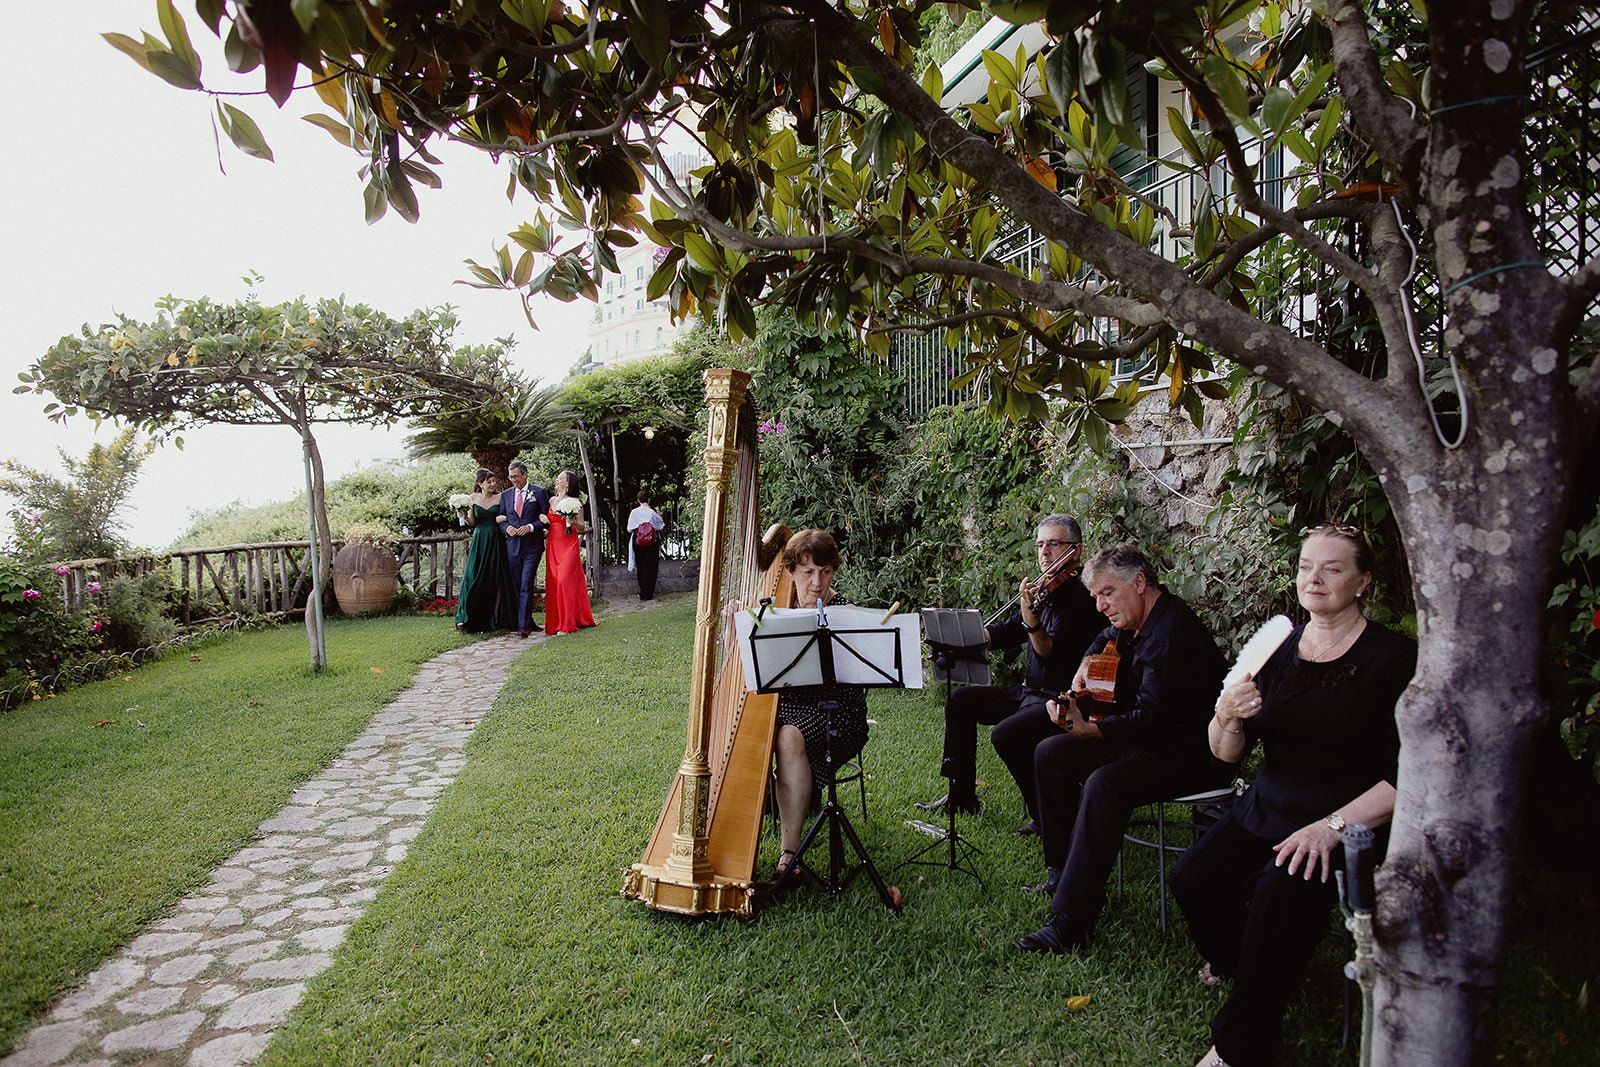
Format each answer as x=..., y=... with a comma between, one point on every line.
x=1061, y=569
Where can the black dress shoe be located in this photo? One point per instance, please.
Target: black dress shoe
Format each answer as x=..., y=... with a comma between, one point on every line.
x=1052, y=878
x=1027, y=829
x=1057, y=936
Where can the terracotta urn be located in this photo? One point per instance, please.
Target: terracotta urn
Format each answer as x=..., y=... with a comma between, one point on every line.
x=365, y=578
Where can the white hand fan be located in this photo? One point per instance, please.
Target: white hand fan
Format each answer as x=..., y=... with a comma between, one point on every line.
x=1256, y=651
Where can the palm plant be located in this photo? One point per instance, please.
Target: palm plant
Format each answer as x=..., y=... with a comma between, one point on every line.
x=523, y=416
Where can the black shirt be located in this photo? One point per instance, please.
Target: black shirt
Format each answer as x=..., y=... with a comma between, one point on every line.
x=1167, y=682
x=1068, y=615
x=1327, y=729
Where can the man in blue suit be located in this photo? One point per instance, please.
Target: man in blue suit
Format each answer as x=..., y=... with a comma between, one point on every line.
x=522, y=510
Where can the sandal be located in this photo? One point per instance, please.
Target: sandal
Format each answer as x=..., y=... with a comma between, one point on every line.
x=788, y=860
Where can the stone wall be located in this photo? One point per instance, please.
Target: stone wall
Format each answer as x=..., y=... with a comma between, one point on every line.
x=1177, y=470
x=675, y=576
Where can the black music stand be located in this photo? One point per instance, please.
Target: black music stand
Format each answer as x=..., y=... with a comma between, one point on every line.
x=960, y=654
x=787, y=657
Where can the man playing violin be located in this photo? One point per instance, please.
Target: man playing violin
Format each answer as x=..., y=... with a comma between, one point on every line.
x=1151, y=743
x=1055, y=620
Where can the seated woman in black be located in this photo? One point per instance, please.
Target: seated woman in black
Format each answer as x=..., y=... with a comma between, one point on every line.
x=1256, y=889
x=802, y=743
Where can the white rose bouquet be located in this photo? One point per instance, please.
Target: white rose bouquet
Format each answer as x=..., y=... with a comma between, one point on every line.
x=569, y=509
x=461, y=502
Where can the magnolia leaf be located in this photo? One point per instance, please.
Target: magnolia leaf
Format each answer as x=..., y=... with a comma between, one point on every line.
x=243, y=132
x=336, y=129
x=702, y=252
x=171, y=68
x=305, y=13
x=178, y=36
x=242, y=57
x=134, y=50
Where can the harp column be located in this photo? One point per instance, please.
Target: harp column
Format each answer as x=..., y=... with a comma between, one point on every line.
x=725, y=391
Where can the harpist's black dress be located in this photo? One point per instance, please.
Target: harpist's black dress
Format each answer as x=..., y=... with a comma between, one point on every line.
x=1328, y=735
x=801, y=708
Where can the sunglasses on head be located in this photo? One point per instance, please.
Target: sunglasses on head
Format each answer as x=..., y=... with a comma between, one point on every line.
x=1341, y=528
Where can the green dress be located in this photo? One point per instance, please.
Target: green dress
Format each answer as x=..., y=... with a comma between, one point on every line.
x=485, y=601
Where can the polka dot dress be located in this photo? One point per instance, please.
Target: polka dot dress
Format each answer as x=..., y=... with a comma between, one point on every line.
x=802, y=709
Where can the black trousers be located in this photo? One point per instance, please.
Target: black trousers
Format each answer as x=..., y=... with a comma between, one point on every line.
x=647, y=563
x=1020, y=722
x=1088, y=791
x=1254, y=923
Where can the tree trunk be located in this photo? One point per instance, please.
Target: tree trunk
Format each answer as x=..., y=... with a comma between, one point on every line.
x=594, y=513
x=495, y=457
x=1467, y=724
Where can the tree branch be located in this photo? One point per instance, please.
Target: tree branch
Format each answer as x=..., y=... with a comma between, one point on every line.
x=1288, y=360
x=1389, y=124
x=1054, y=295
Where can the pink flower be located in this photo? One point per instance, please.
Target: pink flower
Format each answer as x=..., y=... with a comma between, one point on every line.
x=30, y=594
x=37, y=518
x=94, y=587
x=63, y=570
x=99, y=624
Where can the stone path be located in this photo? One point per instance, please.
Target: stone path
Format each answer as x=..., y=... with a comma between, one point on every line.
x=209, y=984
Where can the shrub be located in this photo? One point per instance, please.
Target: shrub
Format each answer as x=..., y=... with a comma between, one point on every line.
x=37, y=635
x=138, y=611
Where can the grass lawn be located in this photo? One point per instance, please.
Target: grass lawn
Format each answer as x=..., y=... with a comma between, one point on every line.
x=119, y=797
x=501, y=937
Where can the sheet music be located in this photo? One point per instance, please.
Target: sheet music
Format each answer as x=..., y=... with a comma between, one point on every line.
x=858, y=635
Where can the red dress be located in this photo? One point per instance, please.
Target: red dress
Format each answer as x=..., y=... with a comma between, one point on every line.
x=566, y=596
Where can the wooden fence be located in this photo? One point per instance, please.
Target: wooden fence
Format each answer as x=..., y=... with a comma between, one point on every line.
x=271, y=578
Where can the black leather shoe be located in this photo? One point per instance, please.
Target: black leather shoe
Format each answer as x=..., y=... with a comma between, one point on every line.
x=1052, y=878
x=1055, y=937
x=1027, y=829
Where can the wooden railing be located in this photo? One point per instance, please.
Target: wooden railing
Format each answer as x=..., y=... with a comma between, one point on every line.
x=271, y=578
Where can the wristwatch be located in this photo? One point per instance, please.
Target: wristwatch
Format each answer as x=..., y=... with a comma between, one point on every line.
x=1032, y=629
x=1336, y=823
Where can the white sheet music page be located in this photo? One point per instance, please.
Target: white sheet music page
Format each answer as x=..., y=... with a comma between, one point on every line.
x=862, y=655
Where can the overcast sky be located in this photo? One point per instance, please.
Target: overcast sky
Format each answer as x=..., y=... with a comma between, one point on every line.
x=111, y=197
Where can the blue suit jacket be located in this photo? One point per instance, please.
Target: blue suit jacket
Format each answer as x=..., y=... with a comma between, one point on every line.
x=538, y=503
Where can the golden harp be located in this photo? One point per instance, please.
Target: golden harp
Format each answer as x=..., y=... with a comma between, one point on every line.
x=701, y=856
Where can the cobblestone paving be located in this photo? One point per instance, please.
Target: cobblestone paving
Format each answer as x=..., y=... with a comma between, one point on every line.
x=210, y=983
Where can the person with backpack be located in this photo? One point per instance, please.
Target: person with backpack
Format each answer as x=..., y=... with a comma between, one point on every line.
x=644, y=544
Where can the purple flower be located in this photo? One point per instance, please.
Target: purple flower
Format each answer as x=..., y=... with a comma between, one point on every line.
x=94, y=587
x=37, y=518
x=30, y=594
x=63, y=570
x=770, y=428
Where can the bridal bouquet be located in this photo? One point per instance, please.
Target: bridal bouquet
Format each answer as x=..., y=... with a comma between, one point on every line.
x=568, y=509
x=461, y=502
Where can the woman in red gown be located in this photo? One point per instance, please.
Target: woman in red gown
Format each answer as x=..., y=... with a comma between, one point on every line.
x=566, y=594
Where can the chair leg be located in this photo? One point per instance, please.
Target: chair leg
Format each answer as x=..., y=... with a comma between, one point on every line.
x=862, y=782
x=1161, y=862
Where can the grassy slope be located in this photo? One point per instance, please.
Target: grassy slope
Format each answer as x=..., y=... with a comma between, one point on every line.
x=102, y=829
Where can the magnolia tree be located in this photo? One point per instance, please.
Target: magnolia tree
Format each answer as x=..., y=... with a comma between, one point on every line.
x=251, y=364
x=843, y=184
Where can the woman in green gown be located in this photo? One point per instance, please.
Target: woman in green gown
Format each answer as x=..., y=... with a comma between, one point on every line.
x=485, y=601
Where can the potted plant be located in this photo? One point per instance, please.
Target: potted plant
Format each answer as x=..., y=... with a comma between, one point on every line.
x=366, y=574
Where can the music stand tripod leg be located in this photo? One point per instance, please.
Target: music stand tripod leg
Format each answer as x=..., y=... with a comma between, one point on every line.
x=839, y=828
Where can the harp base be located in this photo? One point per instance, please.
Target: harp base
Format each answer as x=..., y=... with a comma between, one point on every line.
x=667, y=890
